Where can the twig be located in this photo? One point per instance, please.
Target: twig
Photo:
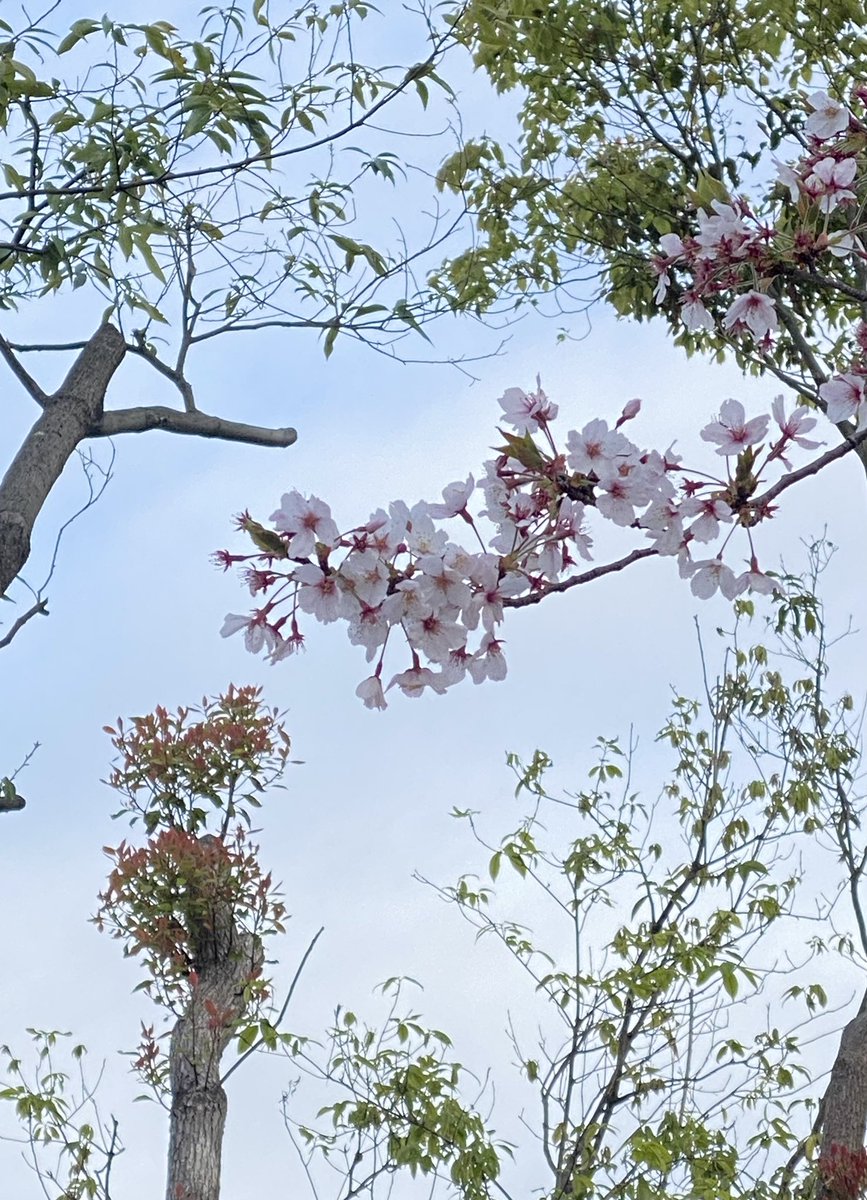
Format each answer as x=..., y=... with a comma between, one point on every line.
x=813, y=468
x=564, y=585
x=282, y=1013
x=41, y=606
x=30, y=385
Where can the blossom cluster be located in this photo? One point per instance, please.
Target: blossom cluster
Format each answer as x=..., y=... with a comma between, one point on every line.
x=735, y=256
x=399, y=575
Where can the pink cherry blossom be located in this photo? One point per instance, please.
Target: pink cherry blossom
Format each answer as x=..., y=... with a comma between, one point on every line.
x=414, y=681
x=308, y=519
x=489, y=662
x=753, y=310
x=370, y=691
x=257, y=632
x=828, y=118
x=455, y=498
x=695, y=315
x=594, y=446
x=842, y=243
x=733, y=432
x=319, y=594
x=365, y=575
x=672, y=246
x=293, y=644
x=795, y=425
x=527, y=412
x=620, y=492
x=440, y=585
x=422, y=535
x=755, y=580
x=712, y=574
x=435, y=636
x=843, y=396
x=710, y=511
x=828, y=183
x=723, y=231
x=369, y=628
x=789, y=179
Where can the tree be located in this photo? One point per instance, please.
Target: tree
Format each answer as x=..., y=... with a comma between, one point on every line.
x=155, y=174
x=662, y=926
x=633, y=117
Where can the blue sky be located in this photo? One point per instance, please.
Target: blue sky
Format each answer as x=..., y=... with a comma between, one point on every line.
x=136, y=608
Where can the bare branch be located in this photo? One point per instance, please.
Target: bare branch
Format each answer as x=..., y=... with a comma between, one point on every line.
x=39, y=607
x=282, y=1012
x=197, y=424
x=24, y=377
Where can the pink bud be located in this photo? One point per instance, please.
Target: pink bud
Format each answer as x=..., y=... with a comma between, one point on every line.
x=630, y=410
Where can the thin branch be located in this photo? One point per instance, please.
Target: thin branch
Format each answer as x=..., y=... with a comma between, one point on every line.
x=794, y=331
x=197, y=424
x=262, y=158
x=41, y=606
x=282, y=1013
x=813, y=468
x=24, y=377
x=564, y=585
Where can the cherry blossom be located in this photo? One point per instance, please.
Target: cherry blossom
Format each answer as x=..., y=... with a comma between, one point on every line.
x=795, y=425
x=397, y=579
x=710, y=510
x=695, y=315
x=828, y=118
x=594, y=446
x=723, y=229
x=455, y=498
x=733, y=432
x=320, y=596
x=526, y=412
x=370, y=691
x=843, y=396
x=828, y=183
x=414, y=681
x=712, y=574
x=309, y=520
x=755, y=311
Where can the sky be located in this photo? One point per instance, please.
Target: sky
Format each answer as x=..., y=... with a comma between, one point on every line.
x=135, y=611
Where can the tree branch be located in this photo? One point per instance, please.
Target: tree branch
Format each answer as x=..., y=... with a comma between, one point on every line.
x=40, y=607
x=24, y=377
x=564, y=585
x=68, y=416
x=853, y=442
x=197, y=424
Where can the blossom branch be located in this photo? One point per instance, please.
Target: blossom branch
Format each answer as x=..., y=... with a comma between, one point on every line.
x=852, y=443
x=563, y=585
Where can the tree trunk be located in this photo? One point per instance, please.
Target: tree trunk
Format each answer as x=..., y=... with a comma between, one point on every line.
x=842, y=1162
x=225, y=959
x=66, y=420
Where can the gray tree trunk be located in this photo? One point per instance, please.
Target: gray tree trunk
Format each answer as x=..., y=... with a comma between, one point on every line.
x=225, y=958
x=844, y=1119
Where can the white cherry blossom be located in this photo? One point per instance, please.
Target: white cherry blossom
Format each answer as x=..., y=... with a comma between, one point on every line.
x=309, y=519
x=733, y=432
x=829, y=117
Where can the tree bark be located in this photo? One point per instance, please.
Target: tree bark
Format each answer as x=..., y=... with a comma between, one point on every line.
x=844, y=1119
x=225, y=959
x=66, y=420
